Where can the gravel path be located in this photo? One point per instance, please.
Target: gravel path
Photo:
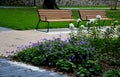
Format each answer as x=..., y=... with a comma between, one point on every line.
x=11, y=39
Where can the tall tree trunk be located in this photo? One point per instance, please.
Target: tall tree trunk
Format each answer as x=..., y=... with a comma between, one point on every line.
x=50, y=4
x=114, y=4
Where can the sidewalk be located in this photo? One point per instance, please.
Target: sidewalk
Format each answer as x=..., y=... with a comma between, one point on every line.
x=17, y=69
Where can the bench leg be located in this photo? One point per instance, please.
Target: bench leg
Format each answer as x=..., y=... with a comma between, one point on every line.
x=37, y=24
x=48, y=27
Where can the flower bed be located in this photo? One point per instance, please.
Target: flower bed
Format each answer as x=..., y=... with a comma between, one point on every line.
x=83, y=55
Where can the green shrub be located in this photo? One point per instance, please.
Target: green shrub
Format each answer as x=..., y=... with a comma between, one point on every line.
x=39, y=60
x=83, y=72
x=89, y=69
x=65, y=65
x=93, y=68
x=112, y=73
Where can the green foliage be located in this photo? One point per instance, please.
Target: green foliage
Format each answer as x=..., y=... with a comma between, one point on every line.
x=112, y=73
x=83, y=72
x=65, y=65
x=27, y=55
x=89, y=69
x=39, y=60
x=93, y=68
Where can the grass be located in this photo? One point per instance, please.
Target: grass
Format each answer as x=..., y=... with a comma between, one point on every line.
x=27, y=18
x=18, y=18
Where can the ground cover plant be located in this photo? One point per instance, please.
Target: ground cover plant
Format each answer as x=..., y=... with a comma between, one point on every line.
x=27, y=18
x=92, y=54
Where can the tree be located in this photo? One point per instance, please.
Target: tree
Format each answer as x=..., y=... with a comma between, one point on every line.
x=114, y=4
x=50, y=4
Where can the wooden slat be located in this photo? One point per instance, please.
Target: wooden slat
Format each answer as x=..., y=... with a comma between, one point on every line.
x=91, y=14
x=58, y=15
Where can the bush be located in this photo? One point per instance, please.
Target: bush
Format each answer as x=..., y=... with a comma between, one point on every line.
x=89, y=69
x=112, y=73
x=39, y=60
x=93, y=68
x=83, y=72
x=65, y=65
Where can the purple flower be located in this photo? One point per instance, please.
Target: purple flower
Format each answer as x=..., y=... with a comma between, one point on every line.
x=35, y=44
x=48, y=52
x=69, y=59
x=81, y=56
x=78, y=53
x=83, y=41
x=44, y=39
x=9, y=56
x=85, y=49
x=88, y=54
x=44, y=59
x=62, y=52
x=49, y=63
x=73, y=56
x=12, y=51
x=7, y=52
x=60, y=57
x=70, y=51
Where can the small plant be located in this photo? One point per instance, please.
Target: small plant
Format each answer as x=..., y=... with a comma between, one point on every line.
x=112, y=73
x=39, y=60
x=93, y=68
x=89, y=69
x=115, y=23
x=65, y=65
x=83, y=72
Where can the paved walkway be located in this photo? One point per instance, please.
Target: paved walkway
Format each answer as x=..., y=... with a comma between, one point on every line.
x=16, y=69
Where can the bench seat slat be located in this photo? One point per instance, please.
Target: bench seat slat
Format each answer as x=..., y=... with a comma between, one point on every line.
x=91, y=14
x=58, y=20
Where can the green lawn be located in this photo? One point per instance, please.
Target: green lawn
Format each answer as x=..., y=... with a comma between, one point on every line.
x=18, y=18
x=27, y=18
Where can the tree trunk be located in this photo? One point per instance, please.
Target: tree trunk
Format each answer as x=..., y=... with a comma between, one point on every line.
x=114, y=4
x=50, y=4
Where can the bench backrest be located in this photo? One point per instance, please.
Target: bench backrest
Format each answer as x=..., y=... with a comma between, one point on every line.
x=55, y=14
x=91, y=14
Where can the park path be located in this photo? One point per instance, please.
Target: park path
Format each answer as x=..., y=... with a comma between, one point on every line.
x=11, y=39
x=17, y=69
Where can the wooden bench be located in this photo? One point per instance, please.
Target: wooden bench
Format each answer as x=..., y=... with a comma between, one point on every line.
x=91, y=14
x=54, y=16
